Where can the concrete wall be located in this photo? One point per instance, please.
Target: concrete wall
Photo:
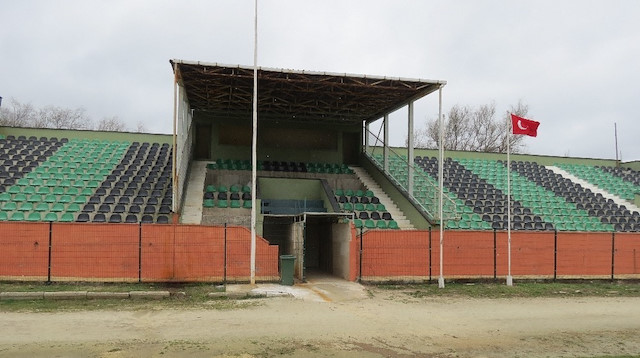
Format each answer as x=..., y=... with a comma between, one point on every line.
x=87, y=134
x=282, y=141
x=341, y=242
x=540, y=159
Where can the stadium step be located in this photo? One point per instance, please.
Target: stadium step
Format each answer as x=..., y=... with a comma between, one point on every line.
x=607, y=195
x=391, y=207
x=192, y=209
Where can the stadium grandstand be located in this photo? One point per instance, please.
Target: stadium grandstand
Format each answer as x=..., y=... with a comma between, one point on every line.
x=322, y=176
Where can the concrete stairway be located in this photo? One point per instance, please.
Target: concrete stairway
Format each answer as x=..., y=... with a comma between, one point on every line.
x=192, y=208
x=370, y=184
x=616, y=199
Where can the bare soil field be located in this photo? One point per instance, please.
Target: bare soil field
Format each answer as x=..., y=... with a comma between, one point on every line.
x=382, y=323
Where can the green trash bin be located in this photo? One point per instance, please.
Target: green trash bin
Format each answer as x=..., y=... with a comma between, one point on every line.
x=286, y=269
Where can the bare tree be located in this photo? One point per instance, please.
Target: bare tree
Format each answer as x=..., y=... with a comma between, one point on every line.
x=473, y=129
x=17, y=114
x=62, y=118
x=140, y=127
x=112, y=124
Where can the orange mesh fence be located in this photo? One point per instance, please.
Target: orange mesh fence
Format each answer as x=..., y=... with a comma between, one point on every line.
x=532, y=254
x=584, y=255
x=128, y=252
x=95, y=251
x=24, y=251
x=627, y=255
x=395, y=255
x=467, y=254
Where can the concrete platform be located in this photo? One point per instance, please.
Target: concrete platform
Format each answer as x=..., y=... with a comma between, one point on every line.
x=317, y=288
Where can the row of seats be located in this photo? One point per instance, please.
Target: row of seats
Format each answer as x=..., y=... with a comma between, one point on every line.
x=281, y=166
x=93, y=177
x=220, y=196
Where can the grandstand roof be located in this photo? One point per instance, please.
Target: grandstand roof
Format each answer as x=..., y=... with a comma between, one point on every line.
x=227, y=90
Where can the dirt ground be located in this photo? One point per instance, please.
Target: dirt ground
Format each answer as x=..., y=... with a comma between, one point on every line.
x=378, y=324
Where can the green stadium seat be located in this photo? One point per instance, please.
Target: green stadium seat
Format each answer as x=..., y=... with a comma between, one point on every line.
x=393, y=225
x=223, y=204
x=17, y=216
x=14, y=190
x=35, y=216
x=51, y=217
x=18, y=198
x=67, y=217
x=359, y=193
x=80, y=199
x=347, y=207
x=358, y=223
x=222, y=188
x=57, y=207
x=50, y=198
x=235, y=189
x=381, y=208
x=210, y=189
x=381, y=224
x=3, y=216
x=452, y=224
x=41, y=206
x=246, y=204
x=358, y=207
x=370, y=207
x=9, y=206
x=235, y=204
x=65, y=199
x=369, y=194
x=208, y=203
x=369, y=224
x=246, y=189
x=43, y=190
x=338, y=192
x=58, y=190
x=26, y=206
x=73, y=208
x=35, y=198
x=5, y=197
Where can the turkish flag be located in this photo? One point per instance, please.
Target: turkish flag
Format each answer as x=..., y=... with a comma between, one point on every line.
x=524, y=126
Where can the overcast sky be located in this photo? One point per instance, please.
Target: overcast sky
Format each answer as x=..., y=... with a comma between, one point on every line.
x=575, y=63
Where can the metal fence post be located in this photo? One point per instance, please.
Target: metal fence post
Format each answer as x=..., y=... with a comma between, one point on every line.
x=430, y=256
x=555, y=254
x=613, y=254
x=495, y=256
x=360, y=259
x=140, y=252
x=50, y=243
x=224, y=277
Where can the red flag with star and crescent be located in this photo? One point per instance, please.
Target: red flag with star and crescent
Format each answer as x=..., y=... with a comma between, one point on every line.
x=524, y=126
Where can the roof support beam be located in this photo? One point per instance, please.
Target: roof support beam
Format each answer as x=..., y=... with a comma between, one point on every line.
x=410, y=150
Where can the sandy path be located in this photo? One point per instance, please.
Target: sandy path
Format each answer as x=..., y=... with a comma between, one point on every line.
x=385, y=325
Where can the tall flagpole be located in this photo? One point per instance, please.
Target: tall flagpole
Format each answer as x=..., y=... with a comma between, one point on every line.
x=440, y=184
x=254, y=146
x=509, y=130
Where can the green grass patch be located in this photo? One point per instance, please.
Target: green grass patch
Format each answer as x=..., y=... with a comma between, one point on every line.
x=520, y=289
x=195, y=297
